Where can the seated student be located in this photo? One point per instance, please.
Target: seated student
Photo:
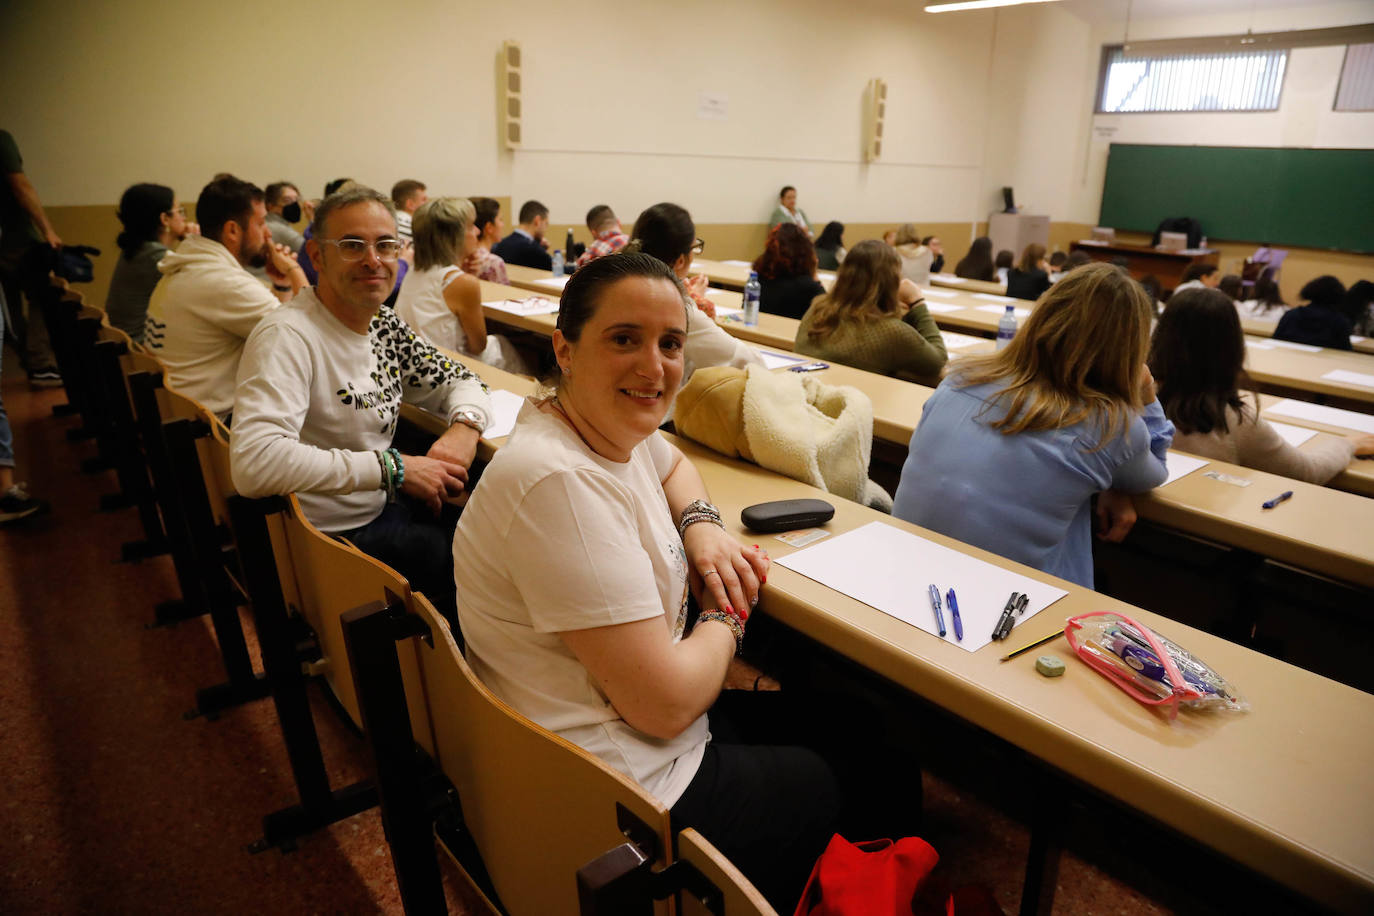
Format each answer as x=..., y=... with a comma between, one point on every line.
x=1013, y=445
x=1003, y=264
x=1324, y=322
x=207, y=303
x=1075, y=259
x=1197, y=358
x=526, y=245
x=787, y=211
x=830, y=246
x=937, y=248
x=319, y=392
x=284, y=208
x=1150, y=283
x=1200, y=276
x=1265, y=300
x=1230, y=285
x=407, y=196
x=1057, y=265
x=977, y=264
x=874, y=319
x=787, y=272
x=890, y=238
x=916, y=258
x=1031, y=277
x=303, y=259
x=1359, y=305
x=607, y=236
x=488, y=266
x=439, y=300
x=153, y=224
x=667, y=232
x=577, y=556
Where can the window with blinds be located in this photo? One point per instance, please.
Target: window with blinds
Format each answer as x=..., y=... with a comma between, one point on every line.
x=1215, y=81
x=1356, y=91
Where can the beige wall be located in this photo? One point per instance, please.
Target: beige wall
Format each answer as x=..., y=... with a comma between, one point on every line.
x=312, y=91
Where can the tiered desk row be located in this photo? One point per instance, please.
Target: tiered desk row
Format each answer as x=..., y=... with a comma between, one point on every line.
x=1284, y=789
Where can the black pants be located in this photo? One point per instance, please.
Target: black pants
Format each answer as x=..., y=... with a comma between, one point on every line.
x=770, y=808
x=24, y=275
x=413, y=542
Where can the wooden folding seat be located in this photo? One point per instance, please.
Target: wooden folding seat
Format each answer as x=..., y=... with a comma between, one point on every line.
x=300, y=581
x=526, y=808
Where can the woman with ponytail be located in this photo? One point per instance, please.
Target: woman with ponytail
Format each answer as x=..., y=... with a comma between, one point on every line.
x=153, y=224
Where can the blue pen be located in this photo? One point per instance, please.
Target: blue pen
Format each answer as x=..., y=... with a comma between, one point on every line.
x=935, y=603
x=954, y=612
x=1271, y=503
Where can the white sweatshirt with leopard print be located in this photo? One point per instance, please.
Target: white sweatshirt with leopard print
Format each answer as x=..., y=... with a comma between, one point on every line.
x=315, y=402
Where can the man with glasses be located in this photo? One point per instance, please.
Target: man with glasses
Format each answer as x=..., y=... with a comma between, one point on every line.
x=207, y=302
x=319, y=392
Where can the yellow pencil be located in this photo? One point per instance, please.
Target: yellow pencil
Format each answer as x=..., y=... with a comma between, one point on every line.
x=1039, y=642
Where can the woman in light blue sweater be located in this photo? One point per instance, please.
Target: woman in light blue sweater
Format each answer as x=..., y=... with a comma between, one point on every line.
x=1013, y=445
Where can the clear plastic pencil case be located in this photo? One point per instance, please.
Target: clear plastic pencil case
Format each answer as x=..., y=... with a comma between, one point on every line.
x=1152, y=669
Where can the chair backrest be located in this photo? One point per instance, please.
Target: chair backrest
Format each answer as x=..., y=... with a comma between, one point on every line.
x=537, y=806
x=740, y=898
x=331, y=577
x=178, y=406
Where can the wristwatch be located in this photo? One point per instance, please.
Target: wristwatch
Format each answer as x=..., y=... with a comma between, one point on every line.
x=469, y=417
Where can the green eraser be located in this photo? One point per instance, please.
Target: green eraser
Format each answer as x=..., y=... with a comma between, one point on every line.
x=1049, y=666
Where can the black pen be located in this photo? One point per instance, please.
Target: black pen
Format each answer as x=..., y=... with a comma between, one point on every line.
x=1006, y=615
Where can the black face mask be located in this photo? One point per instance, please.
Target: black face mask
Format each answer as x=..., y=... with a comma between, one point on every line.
x=292, y=212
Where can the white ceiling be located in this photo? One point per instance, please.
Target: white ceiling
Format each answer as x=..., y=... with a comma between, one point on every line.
x=1102, y=11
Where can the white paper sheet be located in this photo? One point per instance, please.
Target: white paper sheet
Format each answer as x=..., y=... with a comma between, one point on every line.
x=1182, y=465
x=999, y=310
x=554, y=282
x=951, y=278
x=777, y=360
x=1293, y=435
x=535, y=305
x=1257, y=345
x=1350, y=378
x=891, y=570
x=941, y=293
x=1357, y=339
x=504, y=406
x=993, y=298
x=943, y=308
x=724, y=313
x=955, y=341
x=1290, y=345
x=825, y=276
x=1317, y=413
x=738, y=263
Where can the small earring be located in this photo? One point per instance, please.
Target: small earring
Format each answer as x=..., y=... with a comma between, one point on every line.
x=566, y=370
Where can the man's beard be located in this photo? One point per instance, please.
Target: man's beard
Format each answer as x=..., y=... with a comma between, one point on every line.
x=259, y=259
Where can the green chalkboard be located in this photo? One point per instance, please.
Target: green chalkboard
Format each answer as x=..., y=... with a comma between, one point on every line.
x=1314, y=198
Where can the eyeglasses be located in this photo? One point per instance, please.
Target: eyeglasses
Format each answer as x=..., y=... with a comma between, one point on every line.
x=354, y=249
x=698, y=247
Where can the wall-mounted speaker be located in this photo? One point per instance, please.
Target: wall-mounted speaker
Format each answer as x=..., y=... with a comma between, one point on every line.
x=510, y=103
x=875, y=109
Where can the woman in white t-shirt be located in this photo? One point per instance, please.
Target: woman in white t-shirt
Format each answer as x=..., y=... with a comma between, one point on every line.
x=574, y=561
x=438, y=299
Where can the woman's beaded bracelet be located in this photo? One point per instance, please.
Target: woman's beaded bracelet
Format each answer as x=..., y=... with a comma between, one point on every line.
x=731, y=621
x=698, y=510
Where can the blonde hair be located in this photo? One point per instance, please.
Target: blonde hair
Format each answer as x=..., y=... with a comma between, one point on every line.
x=907, y=235
x=1077, y=357
x=865, y=289
x=438, y=229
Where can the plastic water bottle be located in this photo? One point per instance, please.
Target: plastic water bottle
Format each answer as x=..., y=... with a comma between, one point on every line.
x=1006, y=327
x=752, y=290
x=558, y=262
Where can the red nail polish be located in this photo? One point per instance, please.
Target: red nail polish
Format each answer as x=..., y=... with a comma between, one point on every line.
x=729, y=610
x=743, y=616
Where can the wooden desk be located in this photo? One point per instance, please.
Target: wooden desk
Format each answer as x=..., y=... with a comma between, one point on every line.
x=1303, y=535
x=1280, y=788
x=1264, y=327
x=1284, y=789
x=732, y=275
x=1167, y=266
x=950, y=281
